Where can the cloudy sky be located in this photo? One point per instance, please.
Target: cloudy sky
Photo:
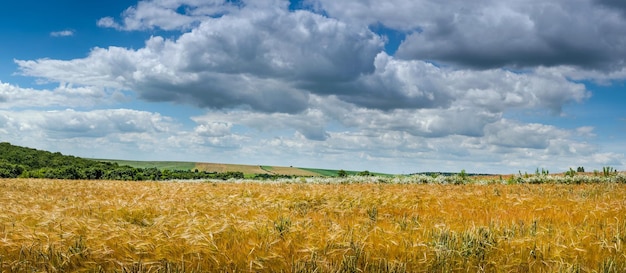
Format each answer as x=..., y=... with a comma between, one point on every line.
x=395, y=86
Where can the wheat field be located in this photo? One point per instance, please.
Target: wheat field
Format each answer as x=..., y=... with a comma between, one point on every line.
x=110, y=226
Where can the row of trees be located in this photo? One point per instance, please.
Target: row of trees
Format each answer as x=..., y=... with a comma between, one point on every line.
x=24, y=162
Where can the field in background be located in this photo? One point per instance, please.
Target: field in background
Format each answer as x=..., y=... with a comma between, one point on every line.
x=326, y=172
x=253, y=170
x=222, y=168
x=161, y=165
x=60, y=226
x=289, y=171
x=249, y=170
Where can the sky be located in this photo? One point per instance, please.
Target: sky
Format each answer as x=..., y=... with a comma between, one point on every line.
x=397, y=86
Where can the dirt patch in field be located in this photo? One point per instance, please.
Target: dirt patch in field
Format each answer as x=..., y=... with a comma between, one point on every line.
x=222, y=168
x=291, y=171
x=252, y=169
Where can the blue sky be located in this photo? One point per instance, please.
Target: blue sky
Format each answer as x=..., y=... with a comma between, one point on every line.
x=392, y=86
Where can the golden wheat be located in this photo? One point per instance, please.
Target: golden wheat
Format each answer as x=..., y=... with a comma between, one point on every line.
x=105, y=226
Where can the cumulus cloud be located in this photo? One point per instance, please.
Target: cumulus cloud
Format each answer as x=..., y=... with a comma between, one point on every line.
x=65, y=95
x=505, y=133
x=257, y=59
x=167, y=14
x=487, y=34
x=414, y=84
x=96, y=123
x=310, y=123
x=213, y=129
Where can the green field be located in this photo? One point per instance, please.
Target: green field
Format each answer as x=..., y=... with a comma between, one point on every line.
x=246, y=169
x=161, y=165
x=327, y=172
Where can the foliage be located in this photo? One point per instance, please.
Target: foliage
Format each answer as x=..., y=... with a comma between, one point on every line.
x=570, y=172
x=335, y=173
x=543, y=172
x=161, y=165
x=24, y=162
x=608, y=171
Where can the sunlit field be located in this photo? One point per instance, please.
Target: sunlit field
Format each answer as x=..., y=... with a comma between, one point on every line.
x=104, y=226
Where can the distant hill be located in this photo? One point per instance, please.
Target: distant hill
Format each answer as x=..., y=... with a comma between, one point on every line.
x=248, y=170
x=17, y=161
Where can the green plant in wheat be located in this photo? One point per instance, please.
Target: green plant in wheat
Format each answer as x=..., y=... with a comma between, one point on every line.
x=570, y=173
x=372, y=213
x=607, y=171
x=282, y=225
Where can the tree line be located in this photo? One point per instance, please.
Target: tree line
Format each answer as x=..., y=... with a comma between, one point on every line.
x=22, y=162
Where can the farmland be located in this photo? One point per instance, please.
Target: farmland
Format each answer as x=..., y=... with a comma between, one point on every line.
x=248, y=170
x=163, y=165
x=82, y=225
x=253, y=170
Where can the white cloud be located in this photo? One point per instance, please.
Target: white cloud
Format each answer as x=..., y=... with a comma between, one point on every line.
x=108, y=22
x=505, y=145
x=310, y=123
x=213, y=129
x=168, y=14
x=514, y=135
x=95, y=123
x=65, y=95
x=579, y=74
x=418, y=84
x=62, y=33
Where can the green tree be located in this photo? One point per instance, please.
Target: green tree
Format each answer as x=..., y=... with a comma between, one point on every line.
x=8, y=170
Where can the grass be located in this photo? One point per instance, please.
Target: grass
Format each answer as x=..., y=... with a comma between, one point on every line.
x=327, y=172
x=110, y=226
x=162, y=165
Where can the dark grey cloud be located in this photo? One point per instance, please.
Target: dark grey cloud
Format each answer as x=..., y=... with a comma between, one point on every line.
x=223, y=91
x=615, y=4
x=546, y=34
x=588, y=34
